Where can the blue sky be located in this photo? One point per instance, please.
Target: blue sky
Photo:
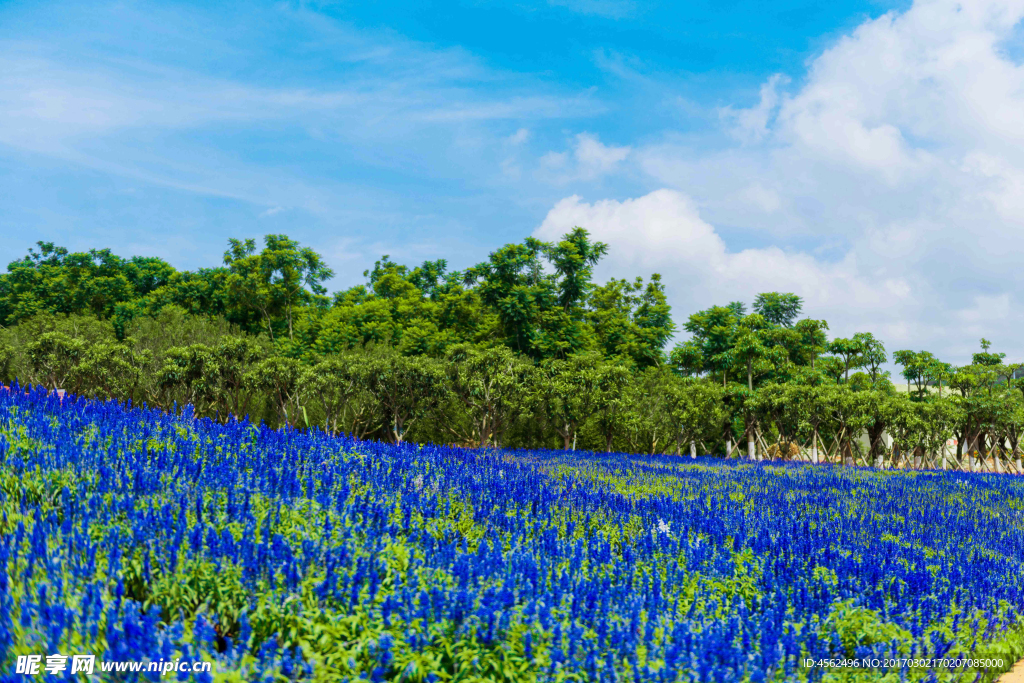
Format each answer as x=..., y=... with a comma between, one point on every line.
x=734, y=146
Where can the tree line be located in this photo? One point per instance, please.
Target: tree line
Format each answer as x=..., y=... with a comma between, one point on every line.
x=523, y=350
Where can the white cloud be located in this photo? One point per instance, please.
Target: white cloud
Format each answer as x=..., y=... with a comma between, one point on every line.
x=555, y=160
x=589, y=159
x=902, y=152
x=519, y=137
x=752, y=124
x=761, y=197
x=595, y=158
x=394, y=104
x=664, y=232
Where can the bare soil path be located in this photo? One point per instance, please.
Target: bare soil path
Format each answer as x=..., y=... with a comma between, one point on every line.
x=1014, y=675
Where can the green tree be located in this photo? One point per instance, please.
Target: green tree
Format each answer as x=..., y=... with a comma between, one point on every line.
x=872, y=356
x=758, y=352
x=54, y=280
x=1012, y=426
x=201, y=294
x=283, y=381
x=796, y=409
x=850, y=417
x=112, y=369
x=812, y=341
x=938, y=418
x=687, y=360
x=189, y=376
x=569, y=393
x=813, y=399
x=985, y=357
x=276, y=281
x=711, y=347
x=757, y=349
x=541, y=315
x=7, y=356
x=850, y=351
x=512, y=282
x=610, y=401
x=916, y=367
x=696, y=410
x=405, y=389
x=574, y=258
x=646, y=425
x=493, y=385
x=235, y=357
x=632, y=320
x=54, y=357
x=337, y=384
x=778, y=308
x=904, y=426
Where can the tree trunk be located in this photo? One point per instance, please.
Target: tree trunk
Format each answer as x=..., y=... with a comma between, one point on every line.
x=728, y=448
x=748, y=431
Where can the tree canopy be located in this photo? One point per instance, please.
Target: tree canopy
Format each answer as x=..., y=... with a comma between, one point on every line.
x=524, y=348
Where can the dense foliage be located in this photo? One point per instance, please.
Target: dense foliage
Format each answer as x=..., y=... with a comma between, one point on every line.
x=520, y=350
x=136, y=534
x=536, y=298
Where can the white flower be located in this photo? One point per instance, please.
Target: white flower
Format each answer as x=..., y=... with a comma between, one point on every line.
x=418, y=482
x=662, y=528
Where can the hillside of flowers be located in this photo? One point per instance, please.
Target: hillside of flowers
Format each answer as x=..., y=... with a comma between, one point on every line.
x=294, y=555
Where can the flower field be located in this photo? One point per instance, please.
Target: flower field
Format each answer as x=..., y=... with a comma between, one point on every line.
x=288, y=555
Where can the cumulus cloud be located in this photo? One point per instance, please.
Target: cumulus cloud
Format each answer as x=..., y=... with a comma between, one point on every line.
x=664, y=232
x=896, y=166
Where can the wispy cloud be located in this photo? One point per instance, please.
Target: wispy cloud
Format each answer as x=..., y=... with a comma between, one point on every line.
x=588, y=159
x=386, y=105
